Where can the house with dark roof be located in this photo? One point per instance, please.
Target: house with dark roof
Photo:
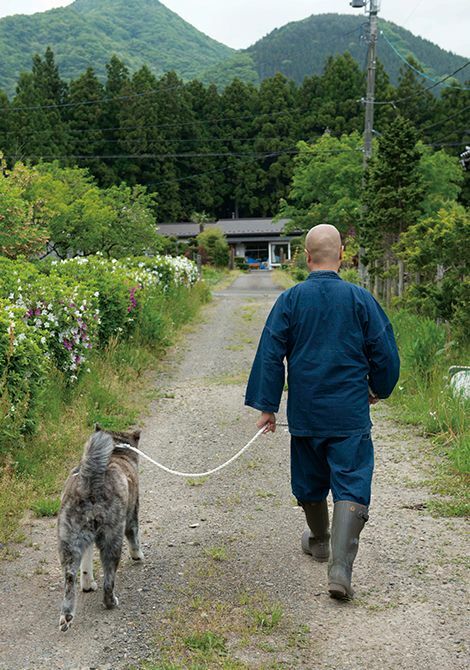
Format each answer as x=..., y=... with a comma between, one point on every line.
x=262, y=242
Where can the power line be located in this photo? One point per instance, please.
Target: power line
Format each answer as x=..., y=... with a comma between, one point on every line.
x=188, y=178
x=447, y=118
x=227, y=167
x=402, y=23
x=192, y=155
x=99, y=101
x=446, y=144
x=461, y=131
x=415, y=95
x=178, y=124
x=408, y=64
x=192, y=176
x=200, y=140
x=149, y=155
x=251, y=156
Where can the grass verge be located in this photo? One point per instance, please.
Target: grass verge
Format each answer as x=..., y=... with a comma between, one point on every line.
x=283, y=279
x=211, y=634
x=424, y=398
x=115, y=392
x=219, y=278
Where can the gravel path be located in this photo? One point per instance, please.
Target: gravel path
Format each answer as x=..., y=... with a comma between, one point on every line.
x=235, y=539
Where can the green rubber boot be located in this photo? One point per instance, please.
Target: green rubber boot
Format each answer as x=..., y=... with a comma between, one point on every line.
x=316, y=541
x=348, y=521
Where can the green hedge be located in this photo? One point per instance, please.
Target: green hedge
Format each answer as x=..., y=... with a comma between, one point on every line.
x=53, y=315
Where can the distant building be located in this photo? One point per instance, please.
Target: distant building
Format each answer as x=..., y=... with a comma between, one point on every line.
x=262, y=242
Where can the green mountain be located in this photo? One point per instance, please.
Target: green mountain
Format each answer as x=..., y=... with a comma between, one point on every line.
x=301, y=48
x=88, y=32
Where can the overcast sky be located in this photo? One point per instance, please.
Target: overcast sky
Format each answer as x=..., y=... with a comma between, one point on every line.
x=239, y=23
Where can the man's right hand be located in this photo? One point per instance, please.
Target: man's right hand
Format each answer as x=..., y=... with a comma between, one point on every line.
x=268, y=421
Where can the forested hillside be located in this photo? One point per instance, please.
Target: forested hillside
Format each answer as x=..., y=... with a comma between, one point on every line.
x=301, y=48
x=201, y=149
x=145, y=32
x=88, y=32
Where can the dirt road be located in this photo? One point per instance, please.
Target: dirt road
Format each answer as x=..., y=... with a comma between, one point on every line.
x=224, y=556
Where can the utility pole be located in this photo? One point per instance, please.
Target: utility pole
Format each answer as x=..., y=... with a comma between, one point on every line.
x=371, y=70
x=372, y=6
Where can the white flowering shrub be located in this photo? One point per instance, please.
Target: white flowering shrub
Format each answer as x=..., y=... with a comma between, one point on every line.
x=53, y=314
x=164, y=270
x=22, y=372
x=120, y=284
x=63, y=316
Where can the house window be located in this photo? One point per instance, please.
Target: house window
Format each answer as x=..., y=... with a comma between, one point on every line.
x=279, y=253
x=256, y=252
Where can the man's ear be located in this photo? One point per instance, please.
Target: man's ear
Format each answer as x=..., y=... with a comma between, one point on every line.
x=341, y=253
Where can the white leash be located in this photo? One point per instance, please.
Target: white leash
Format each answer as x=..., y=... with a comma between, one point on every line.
x=195, y=474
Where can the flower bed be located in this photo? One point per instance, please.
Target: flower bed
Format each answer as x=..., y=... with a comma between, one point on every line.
x=53, y=314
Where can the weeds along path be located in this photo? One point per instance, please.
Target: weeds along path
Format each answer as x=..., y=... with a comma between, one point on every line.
x=224, y=584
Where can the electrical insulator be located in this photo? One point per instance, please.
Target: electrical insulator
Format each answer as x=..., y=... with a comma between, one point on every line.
x=465, y=158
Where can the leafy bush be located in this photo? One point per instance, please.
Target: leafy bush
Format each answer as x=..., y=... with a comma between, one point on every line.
x=240, y=263
x=63, y=315
x=300, y=274
x=53, y=314
x=23, y=369
x=423, y=392
x=421, y=342
x=351, y=275
x=119, y=285
x=436, y=244
x=214, y=247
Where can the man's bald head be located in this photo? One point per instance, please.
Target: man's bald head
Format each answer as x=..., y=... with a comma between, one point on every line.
x=323, y=244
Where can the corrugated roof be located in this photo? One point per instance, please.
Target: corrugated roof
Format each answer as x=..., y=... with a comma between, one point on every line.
x=231, y=227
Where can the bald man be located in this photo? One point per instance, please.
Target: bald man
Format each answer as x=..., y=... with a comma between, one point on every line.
x=341, y=357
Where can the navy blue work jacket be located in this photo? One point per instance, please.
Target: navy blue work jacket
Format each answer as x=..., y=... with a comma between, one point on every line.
x=337, y=341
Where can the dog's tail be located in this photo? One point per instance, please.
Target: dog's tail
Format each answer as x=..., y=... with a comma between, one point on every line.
x=96, y=457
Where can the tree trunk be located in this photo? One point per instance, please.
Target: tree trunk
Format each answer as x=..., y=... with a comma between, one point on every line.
x=376, y=280
x=401, y=278
x=388, y=285
x=363, y=274
x=440, y=272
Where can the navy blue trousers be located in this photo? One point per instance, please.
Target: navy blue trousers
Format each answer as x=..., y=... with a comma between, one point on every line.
x=343, y=465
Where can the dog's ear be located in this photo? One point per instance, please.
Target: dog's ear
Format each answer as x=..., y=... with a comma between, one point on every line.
x=97, y=427
x=136, y=434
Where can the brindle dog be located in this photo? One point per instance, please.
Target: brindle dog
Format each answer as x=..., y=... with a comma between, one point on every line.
x=100, y=504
